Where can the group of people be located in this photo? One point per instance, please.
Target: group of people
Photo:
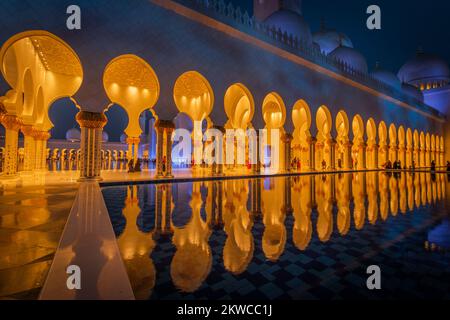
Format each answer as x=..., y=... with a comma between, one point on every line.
x=396, y=165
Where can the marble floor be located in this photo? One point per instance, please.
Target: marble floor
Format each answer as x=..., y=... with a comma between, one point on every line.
x=32, y=219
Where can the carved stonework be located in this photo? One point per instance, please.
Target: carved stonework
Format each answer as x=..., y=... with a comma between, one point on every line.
x=130, y=71
x=28, y=130
x=133, y=140
x=56, y=57
x=93, y=120
x=11, y=122
x=190, y=85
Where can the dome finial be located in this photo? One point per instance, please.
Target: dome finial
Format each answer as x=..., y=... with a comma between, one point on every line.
x=292, y=5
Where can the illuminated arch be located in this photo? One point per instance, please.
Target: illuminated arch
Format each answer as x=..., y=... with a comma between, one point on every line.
x=193, y=95
x=392, y=143
x=274, y=111
x=401, y=146
x=422, y=162
x=239, y=106
x=301, y=118
x=324, y=124
x=342, y=140
x=382, y=141
x=427, y=150
x=409, y=148
x=130, y=82
x=371, y=131
x=46, y=62
x=274, y=115
x=358, y=142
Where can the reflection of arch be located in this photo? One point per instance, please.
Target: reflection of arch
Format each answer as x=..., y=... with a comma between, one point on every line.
x=301, y=118
x=358, y=142
x=193, y=95
x=371, y=154
x=323, y=146
x=239, y=106
x=342, y=141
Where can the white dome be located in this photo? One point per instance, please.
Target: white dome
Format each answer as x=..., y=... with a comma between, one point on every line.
x=105, y=136
x=412, y=91
x=351, y=57
x=329, y=40
x=73, y=135
x=424, y=68
x=292, y=23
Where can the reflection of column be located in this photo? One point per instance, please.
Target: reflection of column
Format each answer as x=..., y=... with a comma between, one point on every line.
x=287, y=196
x=91, y=124
x=12, y=125
x=287, y=139
x=29, y=148
x=255, y=196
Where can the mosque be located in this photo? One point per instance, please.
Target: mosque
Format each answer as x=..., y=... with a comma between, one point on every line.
x=169, y=64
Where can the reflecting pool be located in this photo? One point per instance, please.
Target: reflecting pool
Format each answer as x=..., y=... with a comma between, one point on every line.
x=298, y=237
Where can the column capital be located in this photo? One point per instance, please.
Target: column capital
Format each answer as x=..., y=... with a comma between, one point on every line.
x=41, y=135
x=28, y=130
x=11, y=122
x=287, y=137
x=133, y=140
x=93, y=120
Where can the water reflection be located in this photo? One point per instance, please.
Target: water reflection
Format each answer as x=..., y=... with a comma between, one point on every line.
x=285, y=211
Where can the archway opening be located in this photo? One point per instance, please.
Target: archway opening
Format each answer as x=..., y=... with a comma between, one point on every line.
x=194, y=96
x=382, y=141
x=301, y=145
x=239, y=108
x=358, y=143
x=371, y=152
x=117, y=144
x=392, y=143
x=342, y=141
x=323, y=145
x=274, y=115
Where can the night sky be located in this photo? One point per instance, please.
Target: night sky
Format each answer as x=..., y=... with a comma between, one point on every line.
x=406, y=26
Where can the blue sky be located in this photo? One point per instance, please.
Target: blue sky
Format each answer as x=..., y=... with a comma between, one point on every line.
x=406, y=25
